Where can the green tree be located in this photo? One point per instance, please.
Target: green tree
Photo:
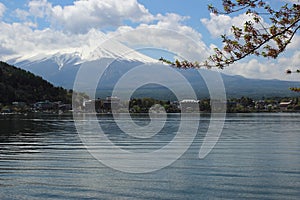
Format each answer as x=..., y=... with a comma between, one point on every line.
x=19, y=85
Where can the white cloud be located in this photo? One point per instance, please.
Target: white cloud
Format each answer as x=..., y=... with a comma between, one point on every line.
x=21, y=40
x=290, y=62
x=2, y=9
x=217, y=24
x=166, y=31
x=167, y=34
x=21, y=14
x=221, y=24
x=86, y=14
x=39, y=8
x=267, y=69
x=78, y=28
x=295, y=43
x=292, y=1
x=256, y=67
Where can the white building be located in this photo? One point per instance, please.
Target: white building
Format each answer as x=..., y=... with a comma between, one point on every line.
x=189, y=105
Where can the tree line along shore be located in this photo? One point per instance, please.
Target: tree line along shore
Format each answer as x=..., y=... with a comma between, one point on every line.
x=23, y=92
x=146, y=105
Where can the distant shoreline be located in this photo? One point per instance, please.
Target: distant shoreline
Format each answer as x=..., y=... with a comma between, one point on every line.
x=131, y=114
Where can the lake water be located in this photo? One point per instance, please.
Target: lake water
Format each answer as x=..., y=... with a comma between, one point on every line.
x=257, y=157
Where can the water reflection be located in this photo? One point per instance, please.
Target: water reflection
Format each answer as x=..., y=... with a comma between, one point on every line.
x=257, y=156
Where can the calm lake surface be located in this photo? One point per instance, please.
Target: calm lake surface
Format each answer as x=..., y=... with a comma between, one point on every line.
x=257, y=157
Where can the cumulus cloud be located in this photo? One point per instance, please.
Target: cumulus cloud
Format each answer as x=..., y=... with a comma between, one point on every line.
x=2, y=9
x=256, y=67
x=86, y=14
x=77, y=28
x=292, y=1
x=21, y=14
x=267, y=69
x=21, y=40
x=160, y=31
x=292, y=62
x=295, y=43
x=39, y=8
x=84, y=20
x=221, y=24
x=167, y=34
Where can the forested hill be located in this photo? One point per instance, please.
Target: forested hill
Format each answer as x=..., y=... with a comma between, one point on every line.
x=20, y=85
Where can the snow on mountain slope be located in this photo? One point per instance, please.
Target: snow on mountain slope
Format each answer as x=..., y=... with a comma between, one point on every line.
x=107, y=48
x=60, y=67
x=60, y=59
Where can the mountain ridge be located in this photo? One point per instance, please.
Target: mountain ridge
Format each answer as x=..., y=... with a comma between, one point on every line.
x=63, y=74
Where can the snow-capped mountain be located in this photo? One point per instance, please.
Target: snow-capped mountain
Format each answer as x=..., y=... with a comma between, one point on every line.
x=61, y=67
x=59, y=59
x=75, y=56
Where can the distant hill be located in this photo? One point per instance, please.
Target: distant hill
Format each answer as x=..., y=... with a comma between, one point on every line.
x=238, y=86
x=61, y=70
x=20, y=85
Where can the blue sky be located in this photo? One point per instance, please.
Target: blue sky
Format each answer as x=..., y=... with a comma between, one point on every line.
x=182, y=28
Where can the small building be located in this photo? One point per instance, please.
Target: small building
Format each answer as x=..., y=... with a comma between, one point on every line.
x=260, y=105
x=174, y=107
x=6, y=110
x=189, y=105
x=94, y=105
x=19, y=104
x=111, y=102
x=284, y=105
x=43, y=105
x=65, y=107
